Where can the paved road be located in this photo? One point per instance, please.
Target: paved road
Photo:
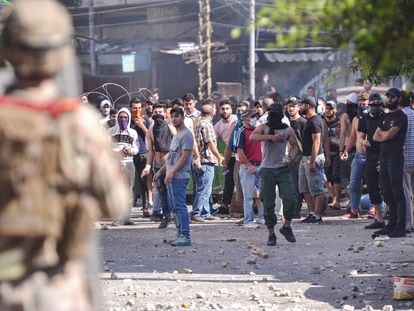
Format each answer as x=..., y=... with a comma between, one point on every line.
x=330, y=266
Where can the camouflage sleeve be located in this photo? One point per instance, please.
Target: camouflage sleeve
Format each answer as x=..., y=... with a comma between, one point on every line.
x=94, y=167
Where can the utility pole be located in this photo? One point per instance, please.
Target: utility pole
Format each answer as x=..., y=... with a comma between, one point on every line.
x=204, y=49
x=252, y=48
x=92, y=38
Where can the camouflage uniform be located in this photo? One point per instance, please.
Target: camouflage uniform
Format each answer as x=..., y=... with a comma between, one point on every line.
x=57, y=177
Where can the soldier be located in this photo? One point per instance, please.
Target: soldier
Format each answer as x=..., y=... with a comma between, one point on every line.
x=57, y=176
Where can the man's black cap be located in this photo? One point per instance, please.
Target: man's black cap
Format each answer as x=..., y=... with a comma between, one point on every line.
x=393, y=92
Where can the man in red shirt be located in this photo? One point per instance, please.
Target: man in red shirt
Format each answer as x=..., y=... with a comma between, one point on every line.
x=249, y=154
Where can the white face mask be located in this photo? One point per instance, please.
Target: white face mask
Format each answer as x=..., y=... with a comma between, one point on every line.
x=105, y=111
x=252, y=122
x=320, y=110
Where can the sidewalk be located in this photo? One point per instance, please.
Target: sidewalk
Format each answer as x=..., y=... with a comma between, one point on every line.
x=330, y=266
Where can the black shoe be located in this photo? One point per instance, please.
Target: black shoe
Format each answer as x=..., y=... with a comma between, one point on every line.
x=307, y=219
x=397, y=233
x=271, y=241
x=222, y=210
x=164, y=223
x=155, y=217
x=315, y=220
x=384, y=231
x=288, y=234
x=128, y=222
x=376, y=225
x=146, y=213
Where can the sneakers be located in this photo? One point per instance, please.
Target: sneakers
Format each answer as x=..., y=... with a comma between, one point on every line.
x=350, y=215
x=164, y=223
x=288, y=234
x=384, y=231
x=251, y=225
x=197, y=218
x=307, y=219
x=376, y=225
x=146, y=213
x=335, y=206
x=181, y=241
x=222, y=210
x=155, y=217
x=315, y=220
x=397, y=233
x=260, y=221
x=271, y=241
x=210, y=217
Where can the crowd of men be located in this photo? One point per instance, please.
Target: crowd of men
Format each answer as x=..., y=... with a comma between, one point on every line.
x=275, y=152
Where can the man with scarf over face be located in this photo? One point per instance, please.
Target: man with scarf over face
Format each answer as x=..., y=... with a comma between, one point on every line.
x=125, y=146
x=391, y=136
x=274, y=170
x=158, y=141
x=368, y=125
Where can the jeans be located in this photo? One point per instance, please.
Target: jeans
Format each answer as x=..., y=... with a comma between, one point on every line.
x=229, y=183
x=355, y=181
x=201, y=205
x=176, y=193
x=248, y=182
x=128, y=170
x=270, y=178
x=408, y=183
x=391, y=179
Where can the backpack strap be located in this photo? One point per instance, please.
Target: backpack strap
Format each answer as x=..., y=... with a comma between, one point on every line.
x=54, y=109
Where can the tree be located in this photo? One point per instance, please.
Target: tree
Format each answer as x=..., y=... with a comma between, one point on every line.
x=382, y=31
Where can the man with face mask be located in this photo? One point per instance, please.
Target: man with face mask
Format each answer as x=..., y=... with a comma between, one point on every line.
x=158, y=141
x=274, y=171
x=250, y=156
x=391, y=136
x=358, y=163
x=368, y=125
x=125, y=146
x=105, y=108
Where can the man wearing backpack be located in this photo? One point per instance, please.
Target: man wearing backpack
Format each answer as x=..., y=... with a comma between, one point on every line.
x=158, y=141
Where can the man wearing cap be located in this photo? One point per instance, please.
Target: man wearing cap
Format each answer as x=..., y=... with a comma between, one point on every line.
x=57, y=175
x=391, y=136
x=177, y=169
x=368, y=125
x=297, y=122
x=333, y=173
x=345, y=122
x=311, y=171
x=356, y=139
x=274, y=136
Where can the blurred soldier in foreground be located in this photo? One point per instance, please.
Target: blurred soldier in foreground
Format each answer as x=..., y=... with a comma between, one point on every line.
x=57, y=176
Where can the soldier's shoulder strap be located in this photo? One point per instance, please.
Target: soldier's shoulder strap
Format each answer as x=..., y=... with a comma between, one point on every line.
x=54, y=109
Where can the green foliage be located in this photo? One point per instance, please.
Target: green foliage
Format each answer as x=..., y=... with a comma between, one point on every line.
x=381, y=31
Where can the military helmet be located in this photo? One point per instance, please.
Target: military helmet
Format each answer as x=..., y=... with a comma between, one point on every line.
x=37, y=38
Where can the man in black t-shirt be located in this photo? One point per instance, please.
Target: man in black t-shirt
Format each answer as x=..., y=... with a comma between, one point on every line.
x=367, y=125
x=333, y=173
x=391, y=135
x=297, y=122
x=311, y=170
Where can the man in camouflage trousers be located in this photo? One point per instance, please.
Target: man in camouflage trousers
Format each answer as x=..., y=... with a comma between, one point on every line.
x=58, y=173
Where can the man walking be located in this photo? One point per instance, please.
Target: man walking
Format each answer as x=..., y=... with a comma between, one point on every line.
x=274, y=171
x=177, y=170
